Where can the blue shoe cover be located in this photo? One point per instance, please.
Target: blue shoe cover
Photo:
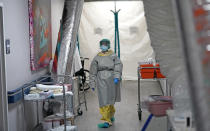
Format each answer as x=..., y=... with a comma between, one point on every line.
x=112, y=119
x=104, y=125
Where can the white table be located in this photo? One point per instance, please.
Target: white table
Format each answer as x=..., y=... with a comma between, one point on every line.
x=176, y=126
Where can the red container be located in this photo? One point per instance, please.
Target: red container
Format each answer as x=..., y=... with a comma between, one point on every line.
x=159, y=75
x=158, y=108
x=148, y=73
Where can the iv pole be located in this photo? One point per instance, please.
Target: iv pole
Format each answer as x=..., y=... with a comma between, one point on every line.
x=117, y=37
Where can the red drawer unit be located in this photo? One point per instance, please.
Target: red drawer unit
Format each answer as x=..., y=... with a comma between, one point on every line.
x=149, y=71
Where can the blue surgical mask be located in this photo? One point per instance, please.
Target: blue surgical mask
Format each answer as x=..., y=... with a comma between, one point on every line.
x=104, y=48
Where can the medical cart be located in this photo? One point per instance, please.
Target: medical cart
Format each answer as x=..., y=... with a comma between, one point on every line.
x=149, y=72
x=63, y=79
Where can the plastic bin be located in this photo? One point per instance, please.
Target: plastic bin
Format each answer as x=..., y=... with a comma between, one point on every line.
x=158, y=108
x=16, y=94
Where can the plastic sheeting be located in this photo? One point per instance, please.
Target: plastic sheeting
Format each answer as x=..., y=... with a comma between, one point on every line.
x=77, y=65
x=70, y=24
x=165, y=41
x=97, y=22
x=167, y=46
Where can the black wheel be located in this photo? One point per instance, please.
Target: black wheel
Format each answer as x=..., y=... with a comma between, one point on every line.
x=79, y=112
x=139, y=114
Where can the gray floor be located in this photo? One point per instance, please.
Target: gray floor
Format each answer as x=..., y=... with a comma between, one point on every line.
x=126, y=111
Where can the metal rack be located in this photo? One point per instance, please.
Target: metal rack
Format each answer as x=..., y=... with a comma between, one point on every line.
x=83, y=79
x=166, y=92
x=81, y=94
x=61, y=82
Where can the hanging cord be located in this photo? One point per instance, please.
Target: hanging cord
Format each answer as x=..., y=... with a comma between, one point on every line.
x=117, y=37
x=78, y=43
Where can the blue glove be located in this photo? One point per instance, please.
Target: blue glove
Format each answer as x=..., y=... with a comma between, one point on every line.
x=116, y=80
x=93, y=89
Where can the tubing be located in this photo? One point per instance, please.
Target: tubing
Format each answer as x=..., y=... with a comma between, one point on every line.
x=147, y=122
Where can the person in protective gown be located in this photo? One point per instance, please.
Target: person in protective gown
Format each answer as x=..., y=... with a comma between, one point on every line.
x=105, y=74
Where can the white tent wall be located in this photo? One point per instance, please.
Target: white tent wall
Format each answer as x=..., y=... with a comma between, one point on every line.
x=97, y=22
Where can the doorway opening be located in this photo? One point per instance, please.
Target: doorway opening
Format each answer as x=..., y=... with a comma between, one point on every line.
x=3, y=90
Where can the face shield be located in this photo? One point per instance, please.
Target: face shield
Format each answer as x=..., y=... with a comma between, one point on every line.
x=104, y=44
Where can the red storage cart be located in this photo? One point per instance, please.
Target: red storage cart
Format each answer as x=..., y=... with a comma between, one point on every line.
x=149, y=72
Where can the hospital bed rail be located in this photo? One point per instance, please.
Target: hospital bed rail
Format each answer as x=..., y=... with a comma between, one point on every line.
x=16, y=95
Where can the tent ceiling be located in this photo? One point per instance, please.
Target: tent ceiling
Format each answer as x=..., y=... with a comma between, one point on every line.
x=109, y=0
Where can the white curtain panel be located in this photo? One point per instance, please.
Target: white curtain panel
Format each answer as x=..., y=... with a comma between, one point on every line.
x=97, y=22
